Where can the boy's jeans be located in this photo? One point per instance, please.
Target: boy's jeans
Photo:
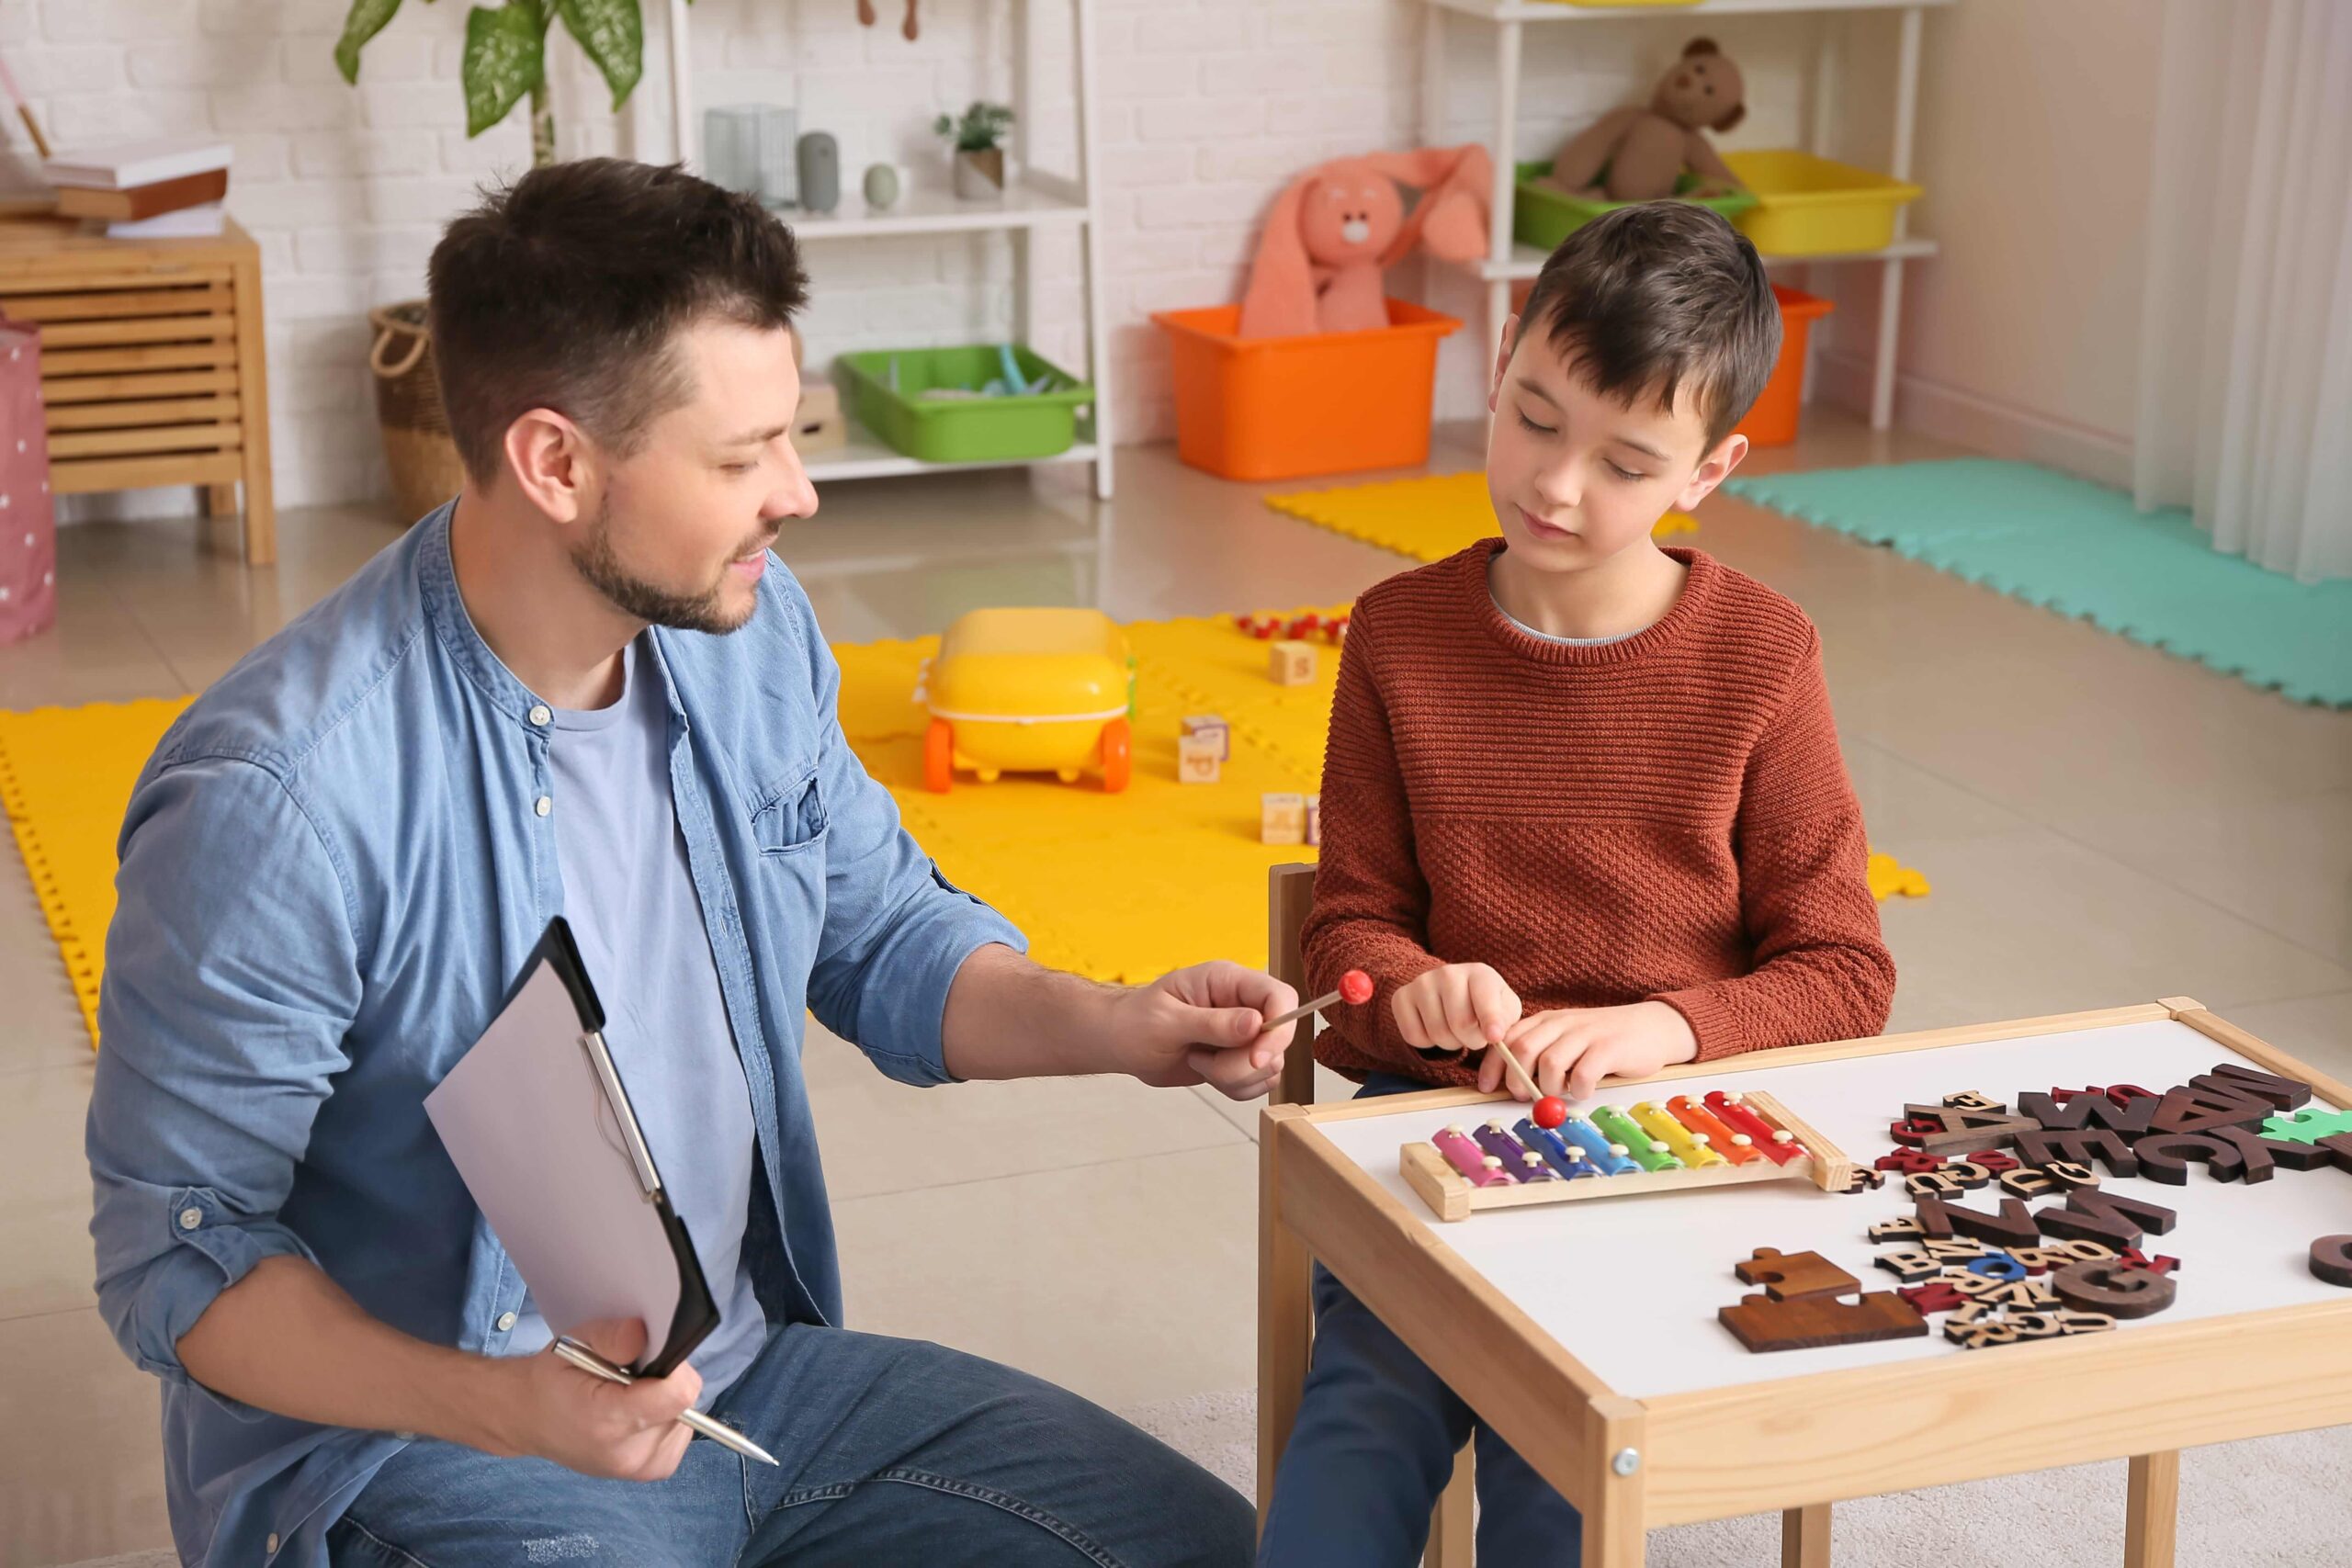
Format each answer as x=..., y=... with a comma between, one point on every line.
x=893, y=1451
x=1374, y=1444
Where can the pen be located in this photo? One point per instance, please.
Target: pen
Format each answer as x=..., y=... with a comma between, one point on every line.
x=588, y=1361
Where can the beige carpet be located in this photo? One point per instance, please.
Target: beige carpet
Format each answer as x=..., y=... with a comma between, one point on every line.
x=2271, y=1503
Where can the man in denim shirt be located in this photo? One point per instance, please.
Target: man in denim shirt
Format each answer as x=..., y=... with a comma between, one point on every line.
x=587, y=676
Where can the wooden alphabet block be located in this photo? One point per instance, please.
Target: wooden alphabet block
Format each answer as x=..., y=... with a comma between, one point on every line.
x=2332, y=1260
x=2132, y=1257
x=1941, y=1129
x=1761, y=1324
x=2044, y=1149
x=1973, y=1099
x=2113, y=1289
x=1292, y=663
x=1909, y=1265
x=1961, y=1177
x=2166, y=1156
x=1209, y=727
x=1905, y=1229
x=2236, y=1077
x=2011, y=1225
x=2258, y=1155
x=1788, y=1277
x=1994, y=1160
x=2082, y=1110
x=2110, y=1217
x=1198, y=760
x=2191, y=1110
x=1960, y=1247
x=2024, y=1183
x=1934, y=1296
x=1281, y=819
x=1909, y=1162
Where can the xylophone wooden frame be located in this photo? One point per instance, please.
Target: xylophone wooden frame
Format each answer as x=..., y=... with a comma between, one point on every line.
x=1451, y=1196
x=1632, y=1465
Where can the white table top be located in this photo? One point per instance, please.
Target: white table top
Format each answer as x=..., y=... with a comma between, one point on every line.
x=1629, y=1285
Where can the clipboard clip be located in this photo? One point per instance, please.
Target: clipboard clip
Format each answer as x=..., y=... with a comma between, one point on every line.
x=601, y=1061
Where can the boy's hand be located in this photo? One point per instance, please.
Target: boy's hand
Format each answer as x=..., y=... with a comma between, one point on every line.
x=1455, y=1007
x=1569, y=1050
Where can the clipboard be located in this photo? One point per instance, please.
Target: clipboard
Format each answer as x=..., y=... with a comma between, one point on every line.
x=538, y=1122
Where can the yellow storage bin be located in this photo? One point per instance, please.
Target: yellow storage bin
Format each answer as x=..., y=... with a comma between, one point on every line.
x=1810, y=207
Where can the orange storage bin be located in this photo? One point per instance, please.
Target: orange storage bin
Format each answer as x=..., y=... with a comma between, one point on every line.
x=1773, y=421
x=1282, y=408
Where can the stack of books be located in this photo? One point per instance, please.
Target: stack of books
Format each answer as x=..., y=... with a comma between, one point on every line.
x=144, y=190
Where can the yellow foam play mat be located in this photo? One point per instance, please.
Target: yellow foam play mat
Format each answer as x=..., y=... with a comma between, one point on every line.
x=1117, y=887
x=1426, y=518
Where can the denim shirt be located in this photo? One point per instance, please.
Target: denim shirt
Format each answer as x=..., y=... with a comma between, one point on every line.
x=332, y=868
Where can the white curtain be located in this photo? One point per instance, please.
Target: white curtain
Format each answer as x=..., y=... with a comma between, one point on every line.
x=2245, y=366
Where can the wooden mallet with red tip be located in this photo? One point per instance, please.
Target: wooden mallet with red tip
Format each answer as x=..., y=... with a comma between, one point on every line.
x=1355, y=990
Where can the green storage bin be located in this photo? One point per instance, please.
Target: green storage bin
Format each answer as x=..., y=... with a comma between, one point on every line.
x=1542, y=216
x=962, y=430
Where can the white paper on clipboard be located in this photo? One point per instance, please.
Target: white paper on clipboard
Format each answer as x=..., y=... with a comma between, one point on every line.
x=526, y=1119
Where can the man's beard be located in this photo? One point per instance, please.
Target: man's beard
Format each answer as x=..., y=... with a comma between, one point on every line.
x=600, y=564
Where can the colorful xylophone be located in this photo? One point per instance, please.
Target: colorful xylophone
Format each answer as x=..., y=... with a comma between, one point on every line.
x=1707, y=1141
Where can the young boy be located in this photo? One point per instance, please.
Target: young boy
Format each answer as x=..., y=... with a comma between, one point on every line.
x=1583, y=796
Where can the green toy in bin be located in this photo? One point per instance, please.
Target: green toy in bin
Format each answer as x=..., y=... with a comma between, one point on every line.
x=959, y=420
x=1542, y=214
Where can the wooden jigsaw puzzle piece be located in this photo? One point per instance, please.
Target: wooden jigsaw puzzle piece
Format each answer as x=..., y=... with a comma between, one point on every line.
x=1761, y=1324
x=2308, y=1125
x=1793, y=1276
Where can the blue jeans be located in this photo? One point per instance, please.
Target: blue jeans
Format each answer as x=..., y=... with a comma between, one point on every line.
x=1374, y=1444
x=893, y=1451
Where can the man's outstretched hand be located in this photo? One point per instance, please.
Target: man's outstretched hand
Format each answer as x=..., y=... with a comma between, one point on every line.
x=1204, y=1024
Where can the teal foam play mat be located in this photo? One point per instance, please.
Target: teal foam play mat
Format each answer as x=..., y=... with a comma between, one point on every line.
x=2083, y=551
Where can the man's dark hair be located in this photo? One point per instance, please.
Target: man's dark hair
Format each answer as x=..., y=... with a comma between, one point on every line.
x=565, y=290
x=1645, y=299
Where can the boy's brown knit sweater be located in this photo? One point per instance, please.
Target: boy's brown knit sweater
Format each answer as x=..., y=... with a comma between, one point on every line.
x=1666, y=818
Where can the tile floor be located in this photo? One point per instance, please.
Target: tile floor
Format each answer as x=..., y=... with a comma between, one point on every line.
x=2102, y=823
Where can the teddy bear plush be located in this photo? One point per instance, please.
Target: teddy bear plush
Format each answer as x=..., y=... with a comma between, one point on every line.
x=1638, y=154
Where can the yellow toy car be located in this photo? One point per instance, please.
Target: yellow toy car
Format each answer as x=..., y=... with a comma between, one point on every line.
x=1029, y=691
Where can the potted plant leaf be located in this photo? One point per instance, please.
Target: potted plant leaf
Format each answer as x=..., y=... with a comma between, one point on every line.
x=505, y=62
x=505, y=58
x=979, y=135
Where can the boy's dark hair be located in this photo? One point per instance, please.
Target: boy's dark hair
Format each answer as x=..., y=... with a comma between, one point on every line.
x=1646, y=298
x=565, y=289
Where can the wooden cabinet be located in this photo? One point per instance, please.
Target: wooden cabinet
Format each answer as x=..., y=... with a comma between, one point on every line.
x=151, y=364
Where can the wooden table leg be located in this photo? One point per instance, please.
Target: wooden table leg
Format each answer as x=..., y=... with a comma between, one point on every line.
x=1805, y=1537
x=253, y=395
x=2152, y=1510
x=1286, y=1308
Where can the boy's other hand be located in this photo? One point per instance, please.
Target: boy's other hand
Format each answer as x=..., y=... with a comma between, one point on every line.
x=1455, y=1007
x=1568, y=1051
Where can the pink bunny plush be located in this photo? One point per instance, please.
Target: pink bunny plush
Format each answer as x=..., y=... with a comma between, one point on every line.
x=1338, y=226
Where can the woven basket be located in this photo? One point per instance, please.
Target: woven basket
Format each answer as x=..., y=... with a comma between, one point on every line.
x=417, y=448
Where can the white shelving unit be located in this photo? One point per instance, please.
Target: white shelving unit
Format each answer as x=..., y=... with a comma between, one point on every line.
x=1507, y=263
x=1039, y=201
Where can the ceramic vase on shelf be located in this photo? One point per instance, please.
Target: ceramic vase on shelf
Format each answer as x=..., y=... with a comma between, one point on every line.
x=980, y=176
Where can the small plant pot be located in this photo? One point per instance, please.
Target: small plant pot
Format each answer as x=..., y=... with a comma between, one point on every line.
x=980, y=176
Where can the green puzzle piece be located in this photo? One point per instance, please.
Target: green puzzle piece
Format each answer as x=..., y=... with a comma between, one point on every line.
x=2308, y=1125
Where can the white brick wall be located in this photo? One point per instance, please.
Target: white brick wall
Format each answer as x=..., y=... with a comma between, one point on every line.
x=1205, y=107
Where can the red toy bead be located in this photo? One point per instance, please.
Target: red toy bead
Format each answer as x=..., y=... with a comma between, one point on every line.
x=1355, y=987
x=1551, y=1110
